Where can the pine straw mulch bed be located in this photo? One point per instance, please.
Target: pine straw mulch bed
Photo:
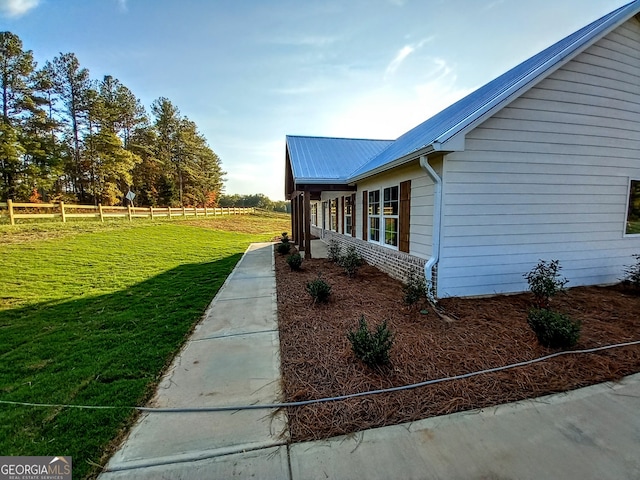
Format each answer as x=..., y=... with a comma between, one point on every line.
x=317, y=360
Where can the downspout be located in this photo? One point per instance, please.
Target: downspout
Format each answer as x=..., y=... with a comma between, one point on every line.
x=437, y=220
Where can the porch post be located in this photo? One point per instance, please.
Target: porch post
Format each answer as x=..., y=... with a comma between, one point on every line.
x=307, y=225
x=300, y=238
x=294, y=219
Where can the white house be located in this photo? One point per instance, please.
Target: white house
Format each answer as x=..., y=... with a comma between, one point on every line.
x=541, y=163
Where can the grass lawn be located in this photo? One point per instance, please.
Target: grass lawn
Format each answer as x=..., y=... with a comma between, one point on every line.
x=633, y=227
x=90, y=314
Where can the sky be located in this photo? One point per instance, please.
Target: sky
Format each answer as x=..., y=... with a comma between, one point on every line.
x=250, y=72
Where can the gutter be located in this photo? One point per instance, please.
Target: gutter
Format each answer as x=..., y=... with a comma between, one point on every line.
x=437, y=223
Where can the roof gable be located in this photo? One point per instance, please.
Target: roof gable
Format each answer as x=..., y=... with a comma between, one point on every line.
x=458, y=118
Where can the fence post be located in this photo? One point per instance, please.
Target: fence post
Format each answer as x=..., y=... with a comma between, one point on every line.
x=151, y=212
x=184, y=212
x=10, y=208
x=64, y=219
x=129, y=212
x=101, y=213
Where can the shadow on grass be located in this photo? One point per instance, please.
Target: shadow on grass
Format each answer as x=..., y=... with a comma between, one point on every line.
x=101, y=350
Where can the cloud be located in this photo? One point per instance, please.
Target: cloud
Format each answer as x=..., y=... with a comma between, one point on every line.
x=402, y=55
x=494, y=4
x=17, y=8
x=305, y=40
x=399, y=58
x=123, y=5
x=390, y=110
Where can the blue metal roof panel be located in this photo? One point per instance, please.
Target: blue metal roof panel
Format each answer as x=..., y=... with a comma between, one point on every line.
x=327, y=159
x=455, y=118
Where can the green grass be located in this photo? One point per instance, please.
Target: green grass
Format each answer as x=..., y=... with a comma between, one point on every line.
x=90, y=314
x=633, y=227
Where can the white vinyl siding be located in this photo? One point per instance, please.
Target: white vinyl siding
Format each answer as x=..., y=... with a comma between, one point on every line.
x=547, y=177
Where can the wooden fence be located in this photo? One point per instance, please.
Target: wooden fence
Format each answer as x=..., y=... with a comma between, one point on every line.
x=59, y=210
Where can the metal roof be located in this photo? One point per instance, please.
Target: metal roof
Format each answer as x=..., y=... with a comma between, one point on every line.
x=329, y=160
x=440, y=132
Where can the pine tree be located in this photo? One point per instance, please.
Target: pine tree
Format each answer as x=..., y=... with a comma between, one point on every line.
x=71, y=83
x=16, y=68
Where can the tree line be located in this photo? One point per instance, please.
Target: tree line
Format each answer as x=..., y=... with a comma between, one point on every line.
x=258, y=200
x=66, y=136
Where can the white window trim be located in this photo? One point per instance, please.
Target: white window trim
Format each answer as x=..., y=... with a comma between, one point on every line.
x=333, y=227
x=626, y=216
x=381, y=216
x=348, y=215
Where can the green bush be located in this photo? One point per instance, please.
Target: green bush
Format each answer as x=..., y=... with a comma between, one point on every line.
x=372, y=347
x=553, y=329
x=283, y=248
x=545, y=281
x=350, y=261
x=632, y=273
x=294, y=261
x=415, y=289
x=334, y=250
x=319, y=290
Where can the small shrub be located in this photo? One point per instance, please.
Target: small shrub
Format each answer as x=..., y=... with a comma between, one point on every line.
x=545, y=281
x=294, y=261
x=553, y=329
x=285, y=237
x=319, y=290
x=334, y=250
x=371, y=347
x=283, y=248
x=350, y=261
x=632, y=273
x=415, y=289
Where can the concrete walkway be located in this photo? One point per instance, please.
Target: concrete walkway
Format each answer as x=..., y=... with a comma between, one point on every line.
x=232, y=359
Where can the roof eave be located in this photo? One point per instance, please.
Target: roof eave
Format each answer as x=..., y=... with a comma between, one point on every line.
x=426, y=150
x=456, y=144
x=530, y=81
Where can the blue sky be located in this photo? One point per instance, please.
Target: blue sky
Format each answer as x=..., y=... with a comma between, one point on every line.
x=249, y=72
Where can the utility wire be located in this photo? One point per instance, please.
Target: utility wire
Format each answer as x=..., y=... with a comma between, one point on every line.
x=265, y=406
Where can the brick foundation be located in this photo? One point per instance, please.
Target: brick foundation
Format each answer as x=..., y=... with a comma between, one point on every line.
x=396, y=264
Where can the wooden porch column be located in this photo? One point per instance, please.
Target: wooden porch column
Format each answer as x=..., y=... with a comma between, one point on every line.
x=294, y=219
x=307, y=225
x=300, y=237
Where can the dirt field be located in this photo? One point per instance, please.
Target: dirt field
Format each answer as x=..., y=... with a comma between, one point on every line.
x=317, y=360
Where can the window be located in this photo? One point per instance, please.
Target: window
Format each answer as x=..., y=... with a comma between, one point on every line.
x=314, y=214
x=384, y=219
x=325, y=207
x=333, y=214
x=633, y=211
x=390, y=214
x=348, y=225
x=374, y=215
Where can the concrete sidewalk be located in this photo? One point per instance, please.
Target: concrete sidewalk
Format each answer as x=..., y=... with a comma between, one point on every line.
x=233, y=358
